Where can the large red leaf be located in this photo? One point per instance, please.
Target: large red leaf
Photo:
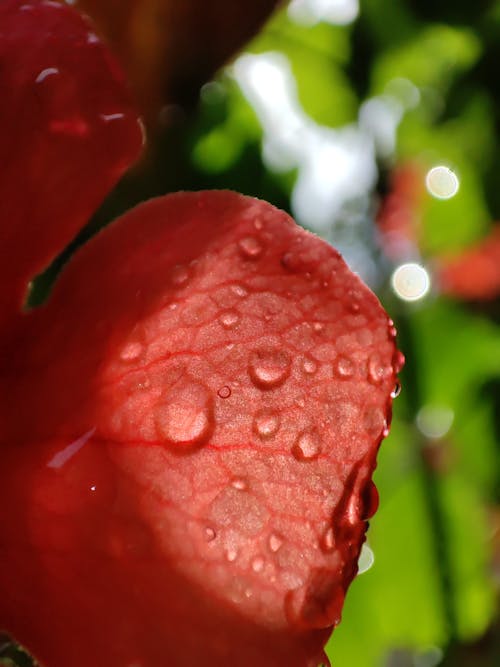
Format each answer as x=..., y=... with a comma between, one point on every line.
x=190, y=431
x=68, y=134
x=189, y=426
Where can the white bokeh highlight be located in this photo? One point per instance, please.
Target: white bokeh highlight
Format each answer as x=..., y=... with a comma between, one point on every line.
x=441, y=182
x=410, y=281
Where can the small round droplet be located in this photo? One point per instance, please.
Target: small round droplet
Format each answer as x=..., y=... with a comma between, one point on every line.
x=229, y=319
x=307, y=446
x=131, y=352
x=184, y=416
x=291, y=262
x=377, y=371
x=398, y=361
x=224, y=392
x=266, y=424
x=309, y=366
x=258, y=564
x=374, y=421
x=239, y=290
x=269, y=368
x=93, y=488
x=231, y=555
x=327, y=541
x=344, y=367
x=180, y=275
x=239, y=484
x=250, y=247
x=209, y=534
x=275, y=542
x=397, y=390
x=318, y=327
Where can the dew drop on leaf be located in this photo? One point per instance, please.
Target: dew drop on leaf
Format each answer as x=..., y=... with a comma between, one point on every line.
x=307, y=446
x=269, y=368
x=266, y=424
x=250, y=247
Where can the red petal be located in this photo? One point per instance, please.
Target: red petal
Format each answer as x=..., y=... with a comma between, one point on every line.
x=474, y=274
x=201, y=402
x=68, y=134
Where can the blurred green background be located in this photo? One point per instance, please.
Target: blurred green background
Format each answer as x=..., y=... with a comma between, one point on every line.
x=337, y=112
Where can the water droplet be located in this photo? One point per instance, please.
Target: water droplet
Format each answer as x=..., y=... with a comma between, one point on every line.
x=257, y=223
x=180, y=275
x=344, y=367
x=366, y=559
x=377, y=371
x=239, y=290
x=93, y=488
x=327, y=541
x=318, y=327
x=269, y=368
x=231, y=555
x=309, y=366
x=318, y=604
x=291, y=261
x=374, y=421
x=398, y=361
x=258, y=564
x=239, y=484
x=307, y=446
x=250, y=247
x=275, y=542
x=184, y=417
x=229, y=319
x=209, y=534
x=369, y=501
x=266, y=424
x=131, y=352
x=224, y=392
x=397, y=390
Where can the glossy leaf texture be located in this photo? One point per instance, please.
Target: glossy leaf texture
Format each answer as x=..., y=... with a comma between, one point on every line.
x=190, y=480
x=168, y=48
x=68, y=133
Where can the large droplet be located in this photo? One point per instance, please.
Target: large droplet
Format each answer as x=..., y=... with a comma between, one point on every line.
x=269, y=368
x=318, y=604
x=229, y=319
x=266, y=424
x=184, y=416
x=307, y=446
x=377, y=370
x=374, y=421
x=250, y=247
x=397, y=390
x=366, y=559
x=344, y=367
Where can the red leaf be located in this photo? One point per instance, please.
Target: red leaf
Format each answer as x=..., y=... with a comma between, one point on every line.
x=68, y=134
x=190, y=431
